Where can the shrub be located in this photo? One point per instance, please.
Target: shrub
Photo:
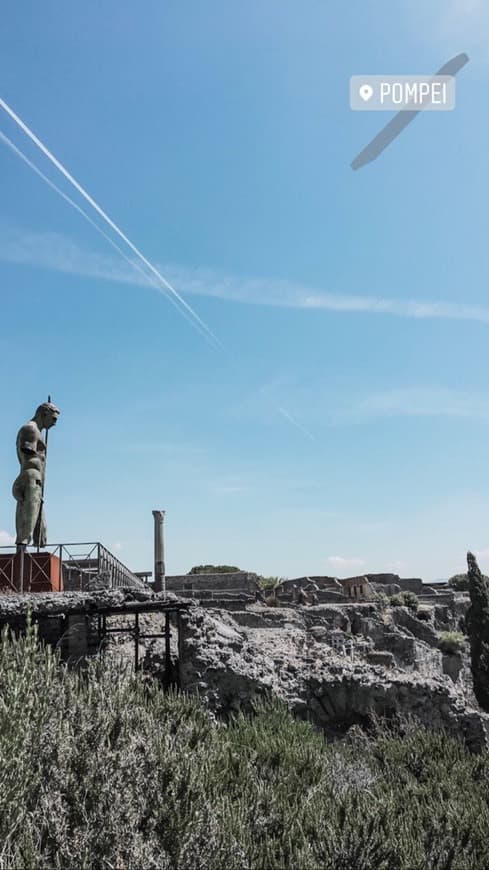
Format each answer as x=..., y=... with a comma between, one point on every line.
x=396, y=600
x=451, y=642
x=459, y=582
x=382, y=600
x=101, y=769
x=214, y=569
x=405, y=599
x=269, y=582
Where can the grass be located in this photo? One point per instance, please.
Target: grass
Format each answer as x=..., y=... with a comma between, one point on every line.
x=100, y=769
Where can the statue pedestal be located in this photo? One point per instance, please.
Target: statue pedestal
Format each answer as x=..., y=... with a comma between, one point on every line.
x=42, y=573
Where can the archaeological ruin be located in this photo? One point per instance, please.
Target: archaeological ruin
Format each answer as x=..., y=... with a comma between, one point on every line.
x=338, y=651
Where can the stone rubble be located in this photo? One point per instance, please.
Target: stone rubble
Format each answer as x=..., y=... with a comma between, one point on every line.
x=389, y=666
x=338, y=664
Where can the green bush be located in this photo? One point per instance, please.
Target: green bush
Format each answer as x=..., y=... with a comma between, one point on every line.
x=382, y=600
x=460, y=582
x=451, y=642
x=214, y=569
x=100, y=769
x=405, y=599
x=269, y=582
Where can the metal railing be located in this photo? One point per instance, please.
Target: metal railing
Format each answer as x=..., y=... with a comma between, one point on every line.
x=81, y=566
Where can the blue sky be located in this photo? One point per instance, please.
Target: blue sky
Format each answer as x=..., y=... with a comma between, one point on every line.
x=342, y=424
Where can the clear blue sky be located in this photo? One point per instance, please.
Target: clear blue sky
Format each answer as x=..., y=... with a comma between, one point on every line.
x=344, y=427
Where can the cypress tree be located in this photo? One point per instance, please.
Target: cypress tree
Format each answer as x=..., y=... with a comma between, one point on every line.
x=477, y=622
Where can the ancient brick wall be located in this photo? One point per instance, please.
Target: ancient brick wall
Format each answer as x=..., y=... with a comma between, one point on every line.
x=239, y=581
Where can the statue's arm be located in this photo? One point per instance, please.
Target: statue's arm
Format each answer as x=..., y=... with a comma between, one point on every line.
x=27, y=440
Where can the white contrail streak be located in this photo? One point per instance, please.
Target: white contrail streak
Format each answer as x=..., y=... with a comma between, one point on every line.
x=295, y=422
x=59, y=166
x=155, y=278
x=133, y=263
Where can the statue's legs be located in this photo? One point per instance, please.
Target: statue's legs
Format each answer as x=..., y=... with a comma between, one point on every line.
x=27, y=490
x=40, y=536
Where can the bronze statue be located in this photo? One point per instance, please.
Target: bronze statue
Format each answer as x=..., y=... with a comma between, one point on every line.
x=28, y=488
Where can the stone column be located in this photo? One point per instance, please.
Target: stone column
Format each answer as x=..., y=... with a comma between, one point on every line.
x=159, y=569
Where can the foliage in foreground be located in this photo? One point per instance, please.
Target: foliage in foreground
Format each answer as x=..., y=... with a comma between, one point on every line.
x=101, y=770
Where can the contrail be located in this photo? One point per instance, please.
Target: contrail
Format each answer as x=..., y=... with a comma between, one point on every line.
x=133, y=263
x=155, y=278
x=295, y=422
x=105, y=217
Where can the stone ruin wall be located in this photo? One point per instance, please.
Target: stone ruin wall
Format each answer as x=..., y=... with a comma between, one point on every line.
x=337, y=662
x=406, y=584
x=330, y=590
x=69, y=621
x=239, y=581
x=335, y=666
x=73, y=635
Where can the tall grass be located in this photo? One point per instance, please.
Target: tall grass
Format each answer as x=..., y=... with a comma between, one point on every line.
x=100, y=769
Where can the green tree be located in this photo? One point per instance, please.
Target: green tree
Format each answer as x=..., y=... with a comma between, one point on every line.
x=477, y=623
x=214, y=569
x=459, y=582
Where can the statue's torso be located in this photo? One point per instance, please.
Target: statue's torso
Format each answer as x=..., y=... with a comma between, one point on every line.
x=31, y=449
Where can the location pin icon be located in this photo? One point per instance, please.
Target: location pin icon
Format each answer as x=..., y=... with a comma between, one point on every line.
x=366, y=92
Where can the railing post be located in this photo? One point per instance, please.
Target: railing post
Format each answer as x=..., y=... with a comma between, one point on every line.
x=180, y=648
x=20, y=554
x=136, y=641
x=167, y=643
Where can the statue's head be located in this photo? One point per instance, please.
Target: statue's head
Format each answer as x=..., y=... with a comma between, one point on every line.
x=47, y=414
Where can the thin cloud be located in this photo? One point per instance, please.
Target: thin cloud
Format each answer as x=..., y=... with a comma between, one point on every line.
x=456, y=24
x=321, y=407
x=53, y=251
x=344, y=563
x=232, y=484
x=415, y=402
x=6, y=540
x=134, y=264
x=50, y=250
x=169, y=447
x=395, y=567
x=230, y=489
x=482, y=554
x=155, y=276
